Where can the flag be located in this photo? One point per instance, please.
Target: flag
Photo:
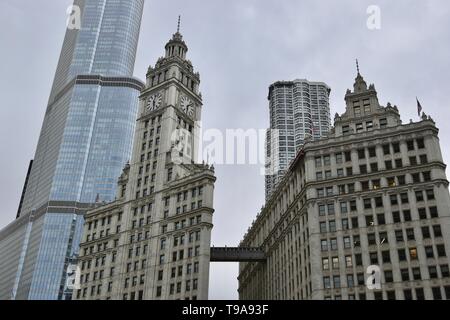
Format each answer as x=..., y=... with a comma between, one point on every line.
x=419, y=107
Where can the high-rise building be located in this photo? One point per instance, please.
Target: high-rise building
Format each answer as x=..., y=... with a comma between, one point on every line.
x=153, y=242
x=299, y=110
x=371, y=199
x=85, y=140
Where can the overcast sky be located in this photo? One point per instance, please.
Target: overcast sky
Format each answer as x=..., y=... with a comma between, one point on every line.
x=239, y=47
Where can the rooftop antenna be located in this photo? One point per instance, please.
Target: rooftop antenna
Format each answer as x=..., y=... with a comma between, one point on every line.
x=357, y=65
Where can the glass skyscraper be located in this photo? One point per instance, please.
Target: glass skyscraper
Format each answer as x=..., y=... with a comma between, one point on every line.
x=299, y=110
x=85, y=142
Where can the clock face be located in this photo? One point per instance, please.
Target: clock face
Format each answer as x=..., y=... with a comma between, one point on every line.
x=190, y=111
x=154, y=101
x=187, y=106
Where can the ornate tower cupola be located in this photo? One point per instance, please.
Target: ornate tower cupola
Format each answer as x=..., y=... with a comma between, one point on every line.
x=363, y=100
x=176, y=46
x=360, y=85
x=363, y=112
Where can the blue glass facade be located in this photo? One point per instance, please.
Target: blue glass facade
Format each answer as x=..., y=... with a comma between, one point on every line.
x=96, y=143
x=85, y=141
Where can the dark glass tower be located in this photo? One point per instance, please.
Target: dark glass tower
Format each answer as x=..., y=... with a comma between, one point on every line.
x=85, y=141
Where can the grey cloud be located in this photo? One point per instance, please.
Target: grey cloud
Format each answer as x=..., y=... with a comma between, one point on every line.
x=240, y=48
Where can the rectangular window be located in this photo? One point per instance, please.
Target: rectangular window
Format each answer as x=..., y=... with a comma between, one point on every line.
x=335, y=262
x=326, y=283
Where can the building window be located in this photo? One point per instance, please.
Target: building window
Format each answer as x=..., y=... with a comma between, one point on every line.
x=363, y=169
x=440, y=248
x=415, y=177
x=332, y=226
x=422, y=213
x=321, y=210
x=413, y=253
x=367, y=203
x=326, y=283
x=404, y=198
x=407, y=293
x=358, y=259
x=432, y=270
x=388, y=164
x=386, y=256
x=401, y=255
x=324, y=245
x=429, y=252
x=361, y=281
x=436, y=293
x=359, y=127
x=373, y=257
x=405, y=274
x=423, y=159
x=396, y=147
x=345, y=130
x=355, y=223
x=445, y=271
x=333, y=243
x=420, y=295
x=410, y=145
x=437, y=231
x=325, y=264
x=386, y=149
x=345, y=225
x=369, y=221
x=371, y=239
x=347, y=243
x=410, y=234
x=330, y=207
x=388, y=277
x=361, y=154
x=335, y=262
x=433, y=212
x=426, y=232
x=350, y=281
x=337, y=282
x=420, y=143
x=348, y=261
x=318, y=162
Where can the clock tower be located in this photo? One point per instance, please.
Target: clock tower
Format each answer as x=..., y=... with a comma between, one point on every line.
x=164, y=207
x=172, y=93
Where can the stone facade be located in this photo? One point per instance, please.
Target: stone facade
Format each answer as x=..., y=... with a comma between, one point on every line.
x=153, y=242
x=373, y=192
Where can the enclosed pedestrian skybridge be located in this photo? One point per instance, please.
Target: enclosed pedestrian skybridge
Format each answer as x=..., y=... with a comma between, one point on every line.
x=238, y=254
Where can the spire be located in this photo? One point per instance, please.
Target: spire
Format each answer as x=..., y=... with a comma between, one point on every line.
x=360, y=85
x=176, y=46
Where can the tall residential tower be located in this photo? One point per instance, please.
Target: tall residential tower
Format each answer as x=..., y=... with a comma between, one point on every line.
x=85, y=141
x=299, y=110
